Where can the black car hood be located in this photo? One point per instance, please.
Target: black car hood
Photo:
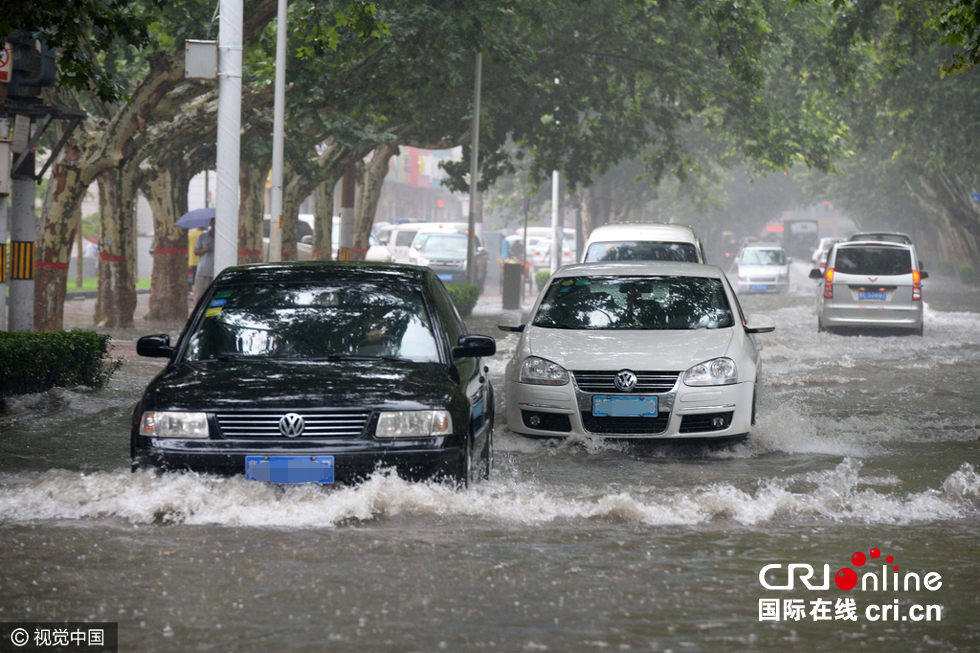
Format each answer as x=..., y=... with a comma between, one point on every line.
x=246, y=384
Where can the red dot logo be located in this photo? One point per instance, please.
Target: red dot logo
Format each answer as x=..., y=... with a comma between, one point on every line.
x=875, y=553
x=858, y=559
x=846, y=579
x=889, y=559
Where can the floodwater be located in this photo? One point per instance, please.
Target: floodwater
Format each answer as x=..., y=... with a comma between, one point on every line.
x=862, y=443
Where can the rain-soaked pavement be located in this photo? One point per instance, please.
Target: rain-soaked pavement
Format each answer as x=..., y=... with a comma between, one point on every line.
x=862, y=443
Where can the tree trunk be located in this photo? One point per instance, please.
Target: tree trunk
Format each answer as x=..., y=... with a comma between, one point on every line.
x=116, y=301
x=60, y=221
x=251, y=179
x=374, y=177
x=323, y=220
x=165, y=188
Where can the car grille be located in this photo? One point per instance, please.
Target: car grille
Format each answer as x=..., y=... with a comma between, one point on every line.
x=647, y=382
x=319, y=424
x=626, y=425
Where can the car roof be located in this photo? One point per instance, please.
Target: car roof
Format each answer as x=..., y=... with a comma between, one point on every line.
x=883, y=236
x=322, y=272
x=852, y=244
x=643, y=231
x=763, y=246
x=640, y=269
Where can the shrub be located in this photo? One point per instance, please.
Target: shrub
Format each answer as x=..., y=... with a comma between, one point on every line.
x=36, y=362
x=541, y=278
x=464, y=296
x=967, y=275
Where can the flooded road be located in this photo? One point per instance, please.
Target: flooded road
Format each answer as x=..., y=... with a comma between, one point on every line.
x=862, y=443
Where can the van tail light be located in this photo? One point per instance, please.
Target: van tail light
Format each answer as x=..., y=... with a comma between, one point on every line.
x=916, y=286
x=828, y=284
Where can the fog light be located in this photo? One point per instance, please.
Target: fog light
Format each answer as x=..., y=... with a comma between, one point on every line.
x=718, y=422
x=534, y=421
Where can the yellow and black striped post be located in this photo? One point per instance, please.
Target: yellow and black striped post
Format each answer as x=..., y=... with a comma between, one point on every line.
x=21, y=260
x=3, y=264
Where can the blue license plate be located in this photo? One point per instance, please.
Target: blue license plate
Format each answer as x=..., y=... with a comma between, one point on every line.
x=624, y=406
x=871, y=294
x=759, y=286
x=289, y=469
x=445, y=277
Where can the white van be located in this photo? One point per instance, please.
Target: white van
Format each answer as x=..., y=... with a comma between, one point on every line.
x=643, y=242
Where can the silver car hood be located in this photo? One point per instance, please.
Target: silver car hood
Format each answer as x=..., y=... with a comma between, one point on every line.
x=634, y=350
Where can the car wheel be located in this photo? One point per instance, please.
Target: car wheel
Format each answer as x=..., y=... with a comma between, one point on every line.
x=464, y=477
x=752, y=423
x=820, y=327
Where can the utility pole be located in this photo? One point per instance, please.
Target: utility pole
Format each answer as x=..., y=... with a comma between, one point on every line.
x=474, y=171
x=555, y=221
x=278, y=130
x=22, y=223
x=229, y=135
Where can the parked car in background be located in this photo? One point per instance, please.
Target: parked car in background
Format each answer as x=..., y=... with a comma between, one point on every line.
x=871, y=285
x=822, y=248
x=377, y=252
x=399, y=239
x=643, y=242
x=762, y=267
x=428, y=229
x=539, y=253
x=635, y=351
x=320, y=372
x=445, y=253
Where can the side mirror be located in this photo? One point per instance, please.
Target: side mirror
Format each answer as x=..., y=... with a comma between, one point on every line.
x=155, y=346
x=756, y=323
x=923, y=274
x=511, y=322
x=815, y=273
x=472, y=346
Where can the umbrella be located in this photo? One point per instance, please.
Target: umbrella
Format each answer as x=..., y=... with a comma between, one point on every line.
x=196, y=219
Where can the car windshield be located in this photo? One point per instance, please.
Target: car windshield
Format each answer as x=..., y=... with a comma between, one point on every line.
x=444, y=244
x=641, y=251
x=763, y=257
x=635, y=303
x=323, y=321
x=873, y=260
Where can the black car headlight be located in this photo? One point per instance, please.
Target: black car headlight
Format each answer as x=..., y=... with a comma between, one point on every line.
x=413, y=423
x=174, y=424
x=718, y=371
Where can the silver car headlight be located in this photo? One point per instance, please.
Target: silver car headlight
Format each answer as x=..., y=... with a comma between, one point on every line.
x=174, y=424
x=538, y=371
x=718, y=371
x=414, y=423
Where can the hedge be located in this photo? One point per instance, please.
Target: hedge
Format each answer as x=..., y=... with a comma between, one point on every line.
x=541, y=278
x=464, y=296
x=36, y=362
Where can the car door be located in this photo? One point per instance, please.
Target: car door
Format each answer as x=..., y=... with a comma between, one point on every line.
x=470, y=372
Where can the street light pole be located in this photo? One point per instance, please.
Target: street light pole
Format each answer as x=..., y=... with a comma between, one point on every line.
x=278, y=129
x=474, y=169
x=229, y=135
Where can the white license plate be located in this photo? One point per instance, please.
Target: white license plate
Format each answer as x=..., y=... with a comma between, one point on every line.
x=624, y=406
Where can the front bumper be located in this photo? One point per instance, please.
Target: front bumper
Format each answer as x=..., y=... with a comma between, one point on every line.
x=353, y=461
x=750, y=286
x=684, y=413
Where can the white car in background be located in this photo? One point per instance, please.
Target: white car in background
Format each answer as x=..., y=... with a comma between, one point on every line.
x=871, y=285
x=643, y=242
x=762, y=267
x=635, y=351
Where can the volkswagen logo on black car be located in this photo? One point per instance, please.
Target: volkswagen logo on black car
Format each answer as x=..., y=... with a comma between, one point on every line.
x=320, y=372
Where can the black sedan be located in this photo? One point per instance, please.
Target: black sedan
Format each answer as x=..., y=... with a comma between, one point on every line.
x=320, y=372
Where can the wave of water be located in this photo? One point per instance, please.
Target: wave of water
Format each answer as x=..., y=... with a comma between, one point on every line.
x=838, y=494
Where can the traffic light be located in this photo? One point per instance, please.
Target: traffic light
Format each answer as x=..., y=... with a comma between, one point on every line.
x=34, y=65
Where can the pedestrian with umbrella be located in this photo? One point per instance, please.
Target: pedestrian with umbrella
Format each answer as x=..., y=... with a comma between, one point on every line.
x=204, y=248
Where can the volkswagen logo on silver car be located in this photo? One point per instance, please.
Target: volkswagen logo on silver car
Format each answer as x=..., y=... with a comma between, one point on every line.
x=291, y=425
x=625, y=381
